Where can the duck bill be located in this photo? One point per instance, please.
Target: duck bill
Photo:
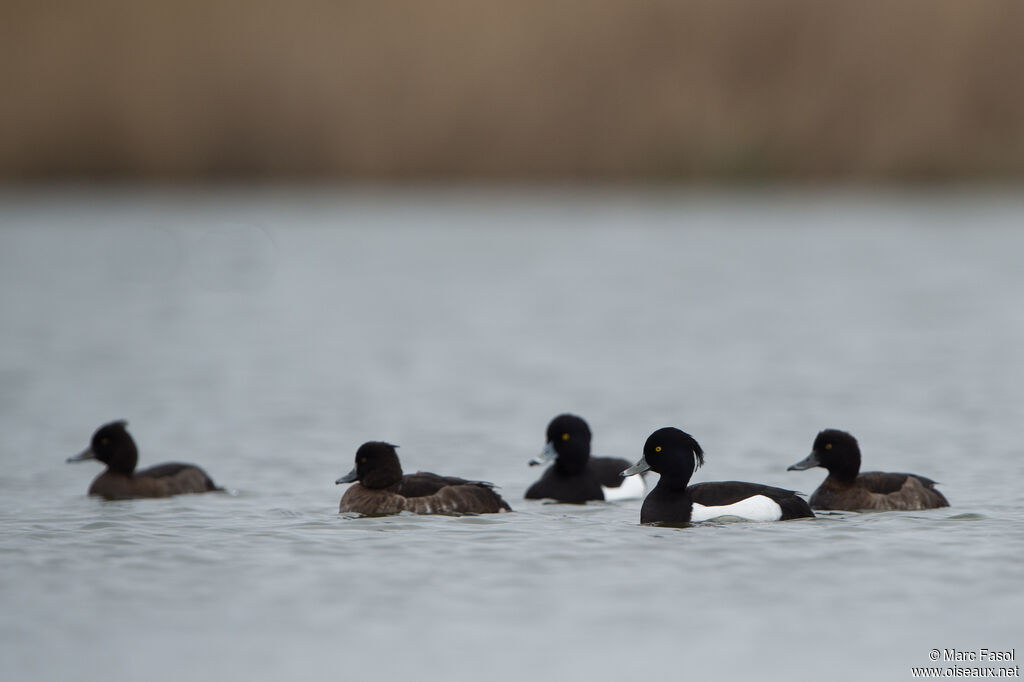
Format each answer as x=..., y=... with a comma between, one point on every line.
x=350, y=477
x=82, y=456
x=546, y=457
x=809, y=462
x=638, y=468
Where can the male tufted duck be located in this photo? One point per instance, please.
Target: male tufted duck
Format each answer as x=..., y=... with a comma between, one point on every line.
x=676, y=455
x=575, y=476
x=382, y=489
x=113, y=445
x=845, y=489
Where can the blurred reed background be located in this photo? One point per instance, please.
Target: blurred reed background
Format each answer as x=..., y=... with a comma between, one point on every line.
x=611, y=89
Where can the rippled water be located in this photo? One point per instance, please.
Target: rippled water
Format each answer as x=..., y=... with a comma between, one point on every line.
x=266, y=334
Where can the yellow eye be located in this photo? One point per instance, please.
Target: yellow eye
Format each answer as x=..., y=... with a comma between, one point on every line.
x=565, y=436
x=828, y=446
x=104, y=441
x=657, y=448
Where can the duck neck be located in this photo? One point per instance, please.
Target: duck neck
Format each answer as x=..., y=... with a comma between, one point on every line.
x=124, y=460
x=668, y=502
x=844, y=472
x=673, y=482
x=572, y=461
x=386, y=475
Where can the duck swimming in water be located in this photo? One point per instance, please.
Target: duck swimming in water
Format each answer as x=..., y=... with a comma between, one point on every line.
x=575, y=476
x=675, y=455
x=847, y=489
x=114, y=446
x=381, y=488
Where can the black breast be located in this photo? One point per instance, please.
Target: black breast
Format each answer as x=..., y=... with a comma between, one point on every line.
x=582, y=487
x=574, y=489
x=667, y=504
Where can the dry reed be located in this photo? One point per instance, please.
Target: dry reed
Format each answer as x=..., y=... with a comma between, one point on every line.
x=711, y=89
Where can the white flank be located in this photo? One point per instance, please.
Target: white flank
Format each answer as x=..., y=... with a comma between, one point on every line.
x=632, y=488
x=756, y=508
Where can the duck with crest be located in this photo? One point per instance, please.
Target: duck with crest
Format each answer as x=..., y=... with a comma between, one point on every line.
x=675, y=455
x=114, y=446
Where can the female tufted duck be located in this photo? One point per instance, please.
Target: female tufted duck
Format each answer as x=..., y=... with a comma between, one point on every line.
x=575, y=476
x=113, y=445
x=382, y=489
x=676, y=455
x=844, y=489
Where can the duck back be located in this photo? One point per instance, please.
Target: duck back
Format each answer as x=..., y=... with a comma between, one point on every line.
x=608, y=470
x=877, y=490
x=424, y=483
x=424, y=493
x=162, y=480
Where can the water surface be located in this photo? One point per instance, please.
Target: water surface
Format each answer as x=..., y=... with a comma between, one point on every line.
x=266, y=334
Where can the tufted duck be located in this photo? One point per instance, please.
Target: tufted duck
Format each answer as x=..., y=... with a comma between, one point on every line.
x=113, y=445
x=575, y=476
x=845, y=488
x=676, y=455
x=382, y=489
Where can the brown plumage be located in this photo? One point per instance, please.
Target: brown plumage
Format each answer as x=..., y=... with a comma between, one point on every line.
x=878, y=490
x=114, y=446
x=383, y=489
x=846, y=489
x=152, y=482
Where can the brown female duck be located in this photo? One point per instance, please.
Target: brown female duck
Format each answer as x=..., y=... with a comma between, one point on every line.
x=847, y=489
x=383, y=489
x=114, y=446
